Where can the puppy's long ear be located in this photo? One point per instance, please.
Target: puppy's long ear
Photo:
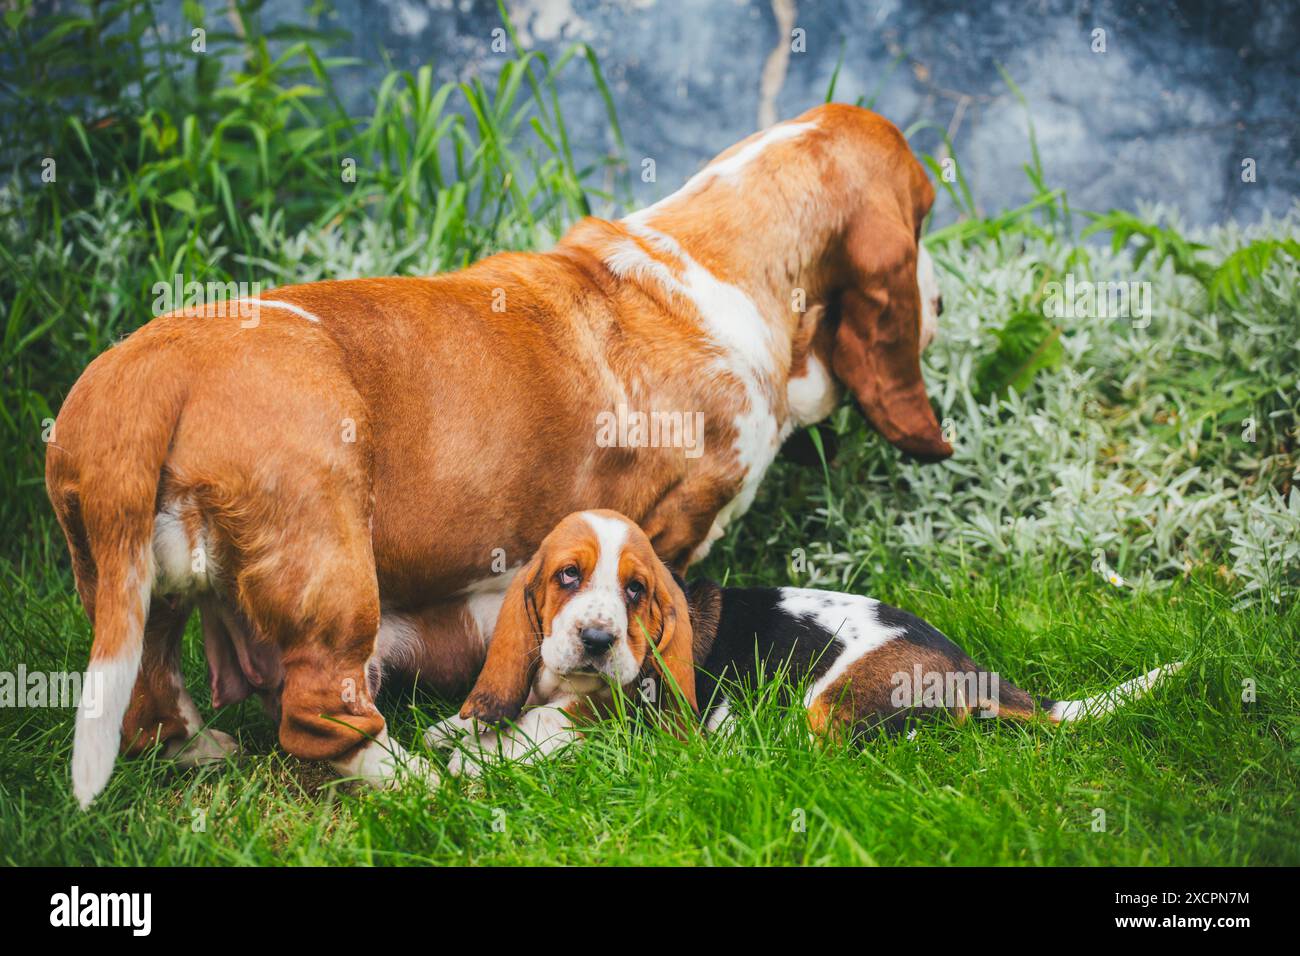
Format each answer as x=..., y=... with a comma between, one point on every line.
x=878, y=343
x=502, y=687
x=673, y=654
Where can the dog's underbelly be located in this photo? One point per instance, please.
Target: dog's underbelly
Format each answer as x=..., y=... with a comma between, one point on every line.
x=240, y=661
x=442, y=645
x=425, y=548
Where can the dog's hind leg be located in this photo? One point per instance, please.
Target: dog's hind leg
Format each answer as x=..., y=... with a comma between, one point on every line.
x=288, y=501
x=317, y=600
x=161, y=711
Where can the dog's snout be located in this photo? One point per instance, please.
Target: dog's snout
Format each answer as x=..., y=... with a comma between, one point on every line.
x=596, y=640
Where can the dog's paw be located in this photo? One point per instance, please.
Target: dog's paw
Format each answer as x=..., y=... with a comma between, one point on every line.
x=418, y=769
x=448, y=733
x=474, y=753
x=464, y=763
x=383, y=763
x=207, y=746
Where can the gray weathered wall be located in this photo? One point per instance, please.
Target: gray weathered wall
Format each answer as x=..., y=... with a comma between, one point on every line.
x=1184, y=91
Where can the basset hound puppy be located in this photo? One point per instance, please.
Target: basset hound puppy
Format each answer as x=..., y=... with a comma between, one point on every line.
x=597, y=612
x=344, y=477
x=594, y=610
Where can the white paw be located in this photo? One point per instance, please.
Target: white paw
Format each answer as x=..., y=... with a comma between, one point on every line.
x=450, y=732
x=418, y=769
x=462, y=764
x=473, y=753
x=384, y=763
x=207, y=746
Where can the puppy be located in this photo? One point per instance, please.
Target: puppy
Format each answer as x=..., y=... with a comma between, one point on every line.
x=596, y=610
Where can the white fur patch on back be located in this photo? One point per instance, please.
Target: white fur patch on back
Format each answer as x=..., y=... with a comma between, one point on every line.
x=297, y=310
x=629, y=261
x=730, y=317
x=850, y=617
x=728, y=169
x=732, y=321
x=727, y=315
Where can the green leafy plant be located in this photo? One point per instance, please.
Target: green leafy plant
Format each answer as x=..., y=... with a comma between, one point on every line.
x=1026, y=344
x=178, y=168
x=1225, y=282
x=1244, y=267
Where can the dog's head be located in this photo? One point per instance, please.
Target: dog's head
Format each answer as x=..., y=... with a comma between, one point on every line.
x=886, y=300
x=594, y=606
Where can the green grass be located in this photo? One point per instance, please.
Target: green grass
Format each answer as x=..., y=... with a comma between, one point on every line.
x=1191, y=775
x=1078, y=442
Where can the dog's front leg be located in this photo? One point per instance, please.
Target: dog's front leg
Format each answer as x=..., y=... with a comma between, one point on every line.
x=539, y=733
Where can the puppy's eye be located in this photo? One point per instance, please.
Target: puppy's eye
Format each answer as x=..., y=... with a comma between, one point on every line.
x=634, y=590
x=568, y=576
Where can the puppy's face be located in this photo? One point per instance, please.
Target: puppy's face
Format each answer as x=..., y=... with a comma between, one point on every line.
x=595, y=605
x=606, y=593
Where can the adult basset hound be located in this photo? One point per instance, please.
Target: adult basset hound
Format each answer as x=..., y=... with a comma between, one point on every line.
x=342, y=476
x=595, y=612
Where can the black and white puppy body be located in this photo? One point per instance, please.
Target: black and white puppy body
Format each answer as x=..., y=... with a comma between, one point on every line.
x=862, y=664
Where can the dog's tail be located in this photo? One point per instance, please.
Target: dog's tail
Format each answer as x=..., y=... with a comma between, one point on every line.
x=1061, y=711
x=103, y=468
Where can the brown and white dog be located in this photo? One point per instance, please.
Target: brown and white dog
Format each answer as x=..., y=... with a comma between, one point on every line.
x=594, y=600
x=331, y=483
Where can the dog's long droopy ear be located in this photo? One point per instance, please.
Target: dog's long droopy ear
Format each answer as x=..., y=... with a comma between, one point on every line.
x=674, y=645
x=502, y=687
x=878, y=343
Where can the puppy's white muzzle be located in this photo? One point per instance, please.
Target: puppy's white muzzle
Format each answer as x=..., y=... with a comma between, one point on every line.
x=589, y=636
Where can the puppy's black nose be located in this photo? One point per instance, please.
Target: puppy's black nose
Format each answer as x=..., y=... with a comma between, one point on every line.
x=596, y=640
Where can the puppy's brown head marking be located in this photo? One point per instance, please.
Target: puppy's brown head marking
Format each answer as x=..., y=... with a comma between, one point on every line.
x=595, y=606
